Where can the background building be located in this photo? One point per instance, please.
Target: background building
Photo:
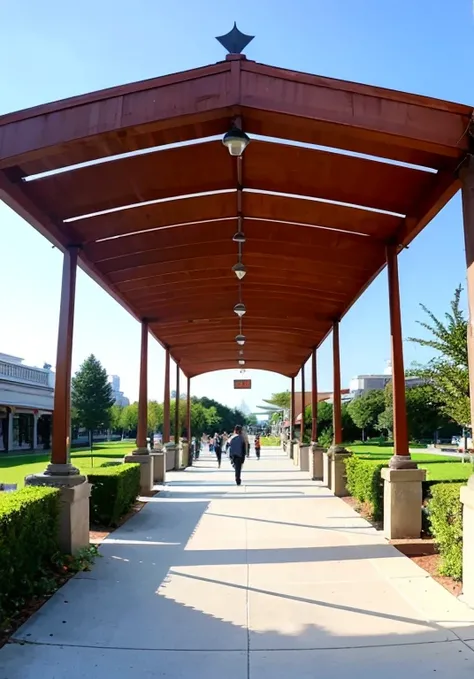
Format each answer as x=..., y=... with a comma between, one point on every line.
x=26, y=404
x=362, y=383
x=117, y=395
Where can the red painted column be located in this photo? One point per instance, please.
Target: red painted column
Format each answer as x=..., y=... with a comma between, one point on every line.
x=292, y=410
x=188, y=411
x=400, y=428
x=142, y=428
x=336, y=407
x=467, y=177
x=61, y=424
x=303, y=403
x=314, y=398
x=176, y=408
x=166, y=400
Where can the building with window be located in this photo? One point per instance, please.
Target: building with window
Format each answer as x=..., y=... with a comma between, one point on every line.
x=361, y=384
x=26, y=405
x=117, y=395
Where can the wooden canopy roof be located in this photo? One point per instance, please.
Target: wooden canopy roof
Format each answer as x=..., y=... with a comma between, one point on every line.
x=316, y=220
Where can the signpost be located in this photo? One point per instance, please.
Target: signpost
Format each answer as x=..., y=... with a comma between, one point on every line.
x=242, y=384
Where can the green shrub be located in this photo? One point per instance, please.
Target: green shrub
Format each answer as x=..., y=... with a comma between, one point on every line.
x=445, y=515
x=114, y=491
x=273, y=441
x=325, y=438
x=28, y=543
x=364, y=482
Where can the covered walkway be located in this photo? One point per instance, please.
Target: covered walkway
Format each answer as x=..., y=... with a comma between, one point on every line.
x=277, y=578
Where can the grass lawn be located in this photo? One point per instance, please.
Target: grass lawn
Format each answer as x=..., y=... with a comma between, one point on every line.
x=386, y=453
x=449, y=471
x=14, y=468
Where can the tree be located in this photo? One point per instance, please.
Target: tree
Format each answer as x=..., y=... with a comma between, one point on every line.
x=281, y=399
x=364, y=410
x=447, y=375
x=129, y=419
x=154, y=416
x=115, y=422
x=252, y=420
x=91, y=395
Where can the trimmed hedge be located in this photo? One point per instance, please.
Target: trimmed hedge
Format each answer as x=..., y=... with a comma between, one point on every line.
x=445, y=516
x=114, y=491
x=364, y=482
x=28, y=543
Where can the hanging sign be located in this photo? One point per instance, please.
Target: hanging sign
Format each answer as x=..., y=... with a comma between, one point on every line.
x=242, y=384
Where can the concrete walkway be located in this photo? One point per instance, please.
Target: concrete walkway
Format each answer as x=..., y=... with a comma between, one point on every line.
x=274, y=579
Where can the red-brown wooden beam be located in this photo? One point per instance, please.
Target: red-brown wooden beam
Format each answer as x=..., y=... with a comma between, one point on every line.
x=400, y=428
x=292, y=409
x=62, y=391
x=314, y=398
x=166, y=400
x=188, y=415
x=337, y=405
x=142, y=428
x=176, y=408
x=467, y=178
x=303, y=403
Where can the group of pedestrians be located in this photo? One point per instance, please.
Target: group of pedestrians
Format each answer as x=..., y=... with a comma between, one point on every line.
x=238, y=448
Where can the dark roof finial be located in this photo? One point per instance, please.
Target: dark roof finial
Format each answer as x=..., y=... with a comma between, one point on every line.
x=235, y=41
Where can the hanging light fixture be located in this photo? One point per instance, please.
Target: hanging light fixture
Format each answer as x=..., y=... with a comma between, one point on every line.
x=240, y=270
x=238, y=237
x=241, y=352
x=236, y=141
x=241, y=361
x=240, y=339
x=240, y=309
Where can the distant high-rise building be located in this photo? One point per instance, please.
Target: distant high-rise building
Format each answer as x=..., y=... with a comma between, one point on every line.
x=117, y=395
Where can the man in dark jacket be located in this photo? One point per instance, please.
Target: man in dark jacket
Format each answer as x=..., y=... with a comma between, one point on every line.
x=237, y=452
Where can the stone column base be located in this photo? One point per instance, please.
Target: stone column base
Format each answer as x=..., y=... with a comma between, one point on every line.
x=304, y=458
x=289, y=447
x=402, y=499
x=338, y=470
x=159, y=466
x=467, y=499
x=296, y=454
x=316, y=462
x=327, y=468
x=74, y=521
x=146, y=470
x=170, y=456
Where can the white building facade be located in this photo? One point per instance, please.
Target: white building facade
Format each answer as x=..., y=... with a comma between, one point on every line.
x=117, y=395
x=26, y=405
x=361, y=384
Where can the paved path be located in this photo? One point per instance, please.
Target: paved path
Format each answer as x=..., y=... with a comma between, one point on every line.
x=274, y=579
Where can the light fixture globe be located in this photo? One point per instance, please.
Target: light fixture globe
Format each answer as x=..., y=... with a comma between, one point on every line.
x=240, y=339
x=240, y=270
x=240, y=309
x=241, y=361
x=238, y=237
x=236, y=141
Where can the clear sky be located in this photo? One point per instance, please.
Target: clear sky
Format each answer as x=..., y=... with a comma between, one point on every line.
x=51, y=50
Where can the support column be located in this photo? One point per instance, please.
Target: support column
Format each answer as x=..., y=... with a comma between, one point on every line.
x=467, y=492
x=34, y=443
x=403, y=493
x=166, y=400
x=337, y=453
x=316, y=469
x=291, y=442
x=188, y=421
x=9, y=446
x=142, y=429
x=141, y=454
x=303, y=404
x=336, y=406
x=73, y=525
x=401, y=454
x=176, y=409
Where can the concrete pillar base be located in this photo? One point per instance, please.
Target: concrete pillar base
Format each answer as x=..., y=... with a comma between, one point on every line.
x=159, y=466
x=185, y=448
x=316, y=462
x=289, y=448
x=327, y=468
x=402, y=498
x=296, y=454
x=170, y=456
x=146, y=470
x=337, y=456
x=304, y=458
x=467, y=499
x=74, y=521
x=58, y=475
x=140, y=451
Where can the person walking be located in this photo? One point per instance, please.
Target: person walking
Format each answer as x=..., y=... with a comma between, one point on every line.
x=257, y=446
x=218, y=448
x=237, y=452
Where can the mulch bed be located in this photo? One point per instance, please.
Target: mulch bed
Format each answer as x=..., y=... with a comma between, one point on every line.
x=420, y=551
x=97, y=534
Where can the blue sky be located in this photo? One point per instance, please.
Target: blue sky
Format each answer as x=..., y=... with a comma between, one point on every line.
x=53, y=50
